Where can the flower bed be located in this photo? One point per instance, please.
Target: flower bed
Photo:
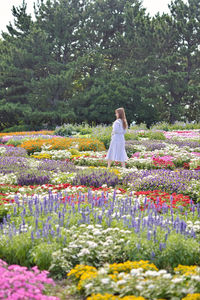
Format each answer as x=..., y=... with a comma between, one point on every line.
x=105, y=219
x=61, y=143
x=136, y=280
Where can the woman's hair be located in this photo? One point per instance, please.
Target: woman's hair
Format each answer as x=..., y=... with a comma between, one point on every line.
x=122, y=116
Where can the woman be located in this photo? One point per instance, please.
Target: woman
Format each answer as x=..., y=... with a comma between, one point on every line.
x=116, y=151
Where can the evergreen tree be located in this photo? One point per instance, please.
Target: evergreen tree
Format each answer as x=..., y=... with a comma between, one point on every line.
x=80, y=60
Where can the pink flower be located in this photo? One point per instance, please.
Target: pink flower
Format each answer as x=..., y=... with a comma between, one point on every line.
x=20, y=283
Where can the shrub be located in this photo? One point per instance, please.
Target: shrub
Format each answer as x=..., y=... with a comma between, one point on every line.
x=141, y=126
x=65, y=130
x=15, y=142
x=131, y=135
x=176, y=126
x=42, y=254
x=106, y=140
x=103, y=134
x=156, y=135
x=86, y=130
x=17, y=128
x=165, y=254
x=74, y=152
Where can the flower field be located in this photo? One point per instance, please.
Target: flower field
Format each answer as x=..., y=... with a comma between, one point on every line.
x=70, y=228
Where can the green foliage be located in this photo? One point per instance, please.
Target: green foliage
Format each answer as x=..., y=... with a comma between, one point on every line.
x=176, y=126
x=74, y=151
x=177, y=250
x=3, y=211
x=131, y=135
x=54, y=72
x=16, y=250
x=141, y=126
x=17, y=128
x=41, y=255
x=85, y=131
x=12, y=114
x=103, y=134
x=15, y=142
x=156, y=135
x=65, y=130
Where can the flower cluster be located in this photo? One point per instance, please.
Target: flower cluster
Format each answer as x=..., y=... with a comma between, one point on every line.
x=112, y=297
x=19, y=283
x=163, y=162
x=61, y=143
x=96, y=178
x=182, y=134
x=160, y=198
x=177, y=181
x=91, y=244
x=138, y=278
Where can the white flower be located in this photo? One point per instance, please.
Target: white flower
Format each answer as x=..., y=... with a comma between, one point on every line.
x=195, y=277
x=151, y=273
x=177, y=280
x=189, y=223
x=167, y=276
x=162, y=272
x=136, y=271
x=72, y=245
x=90, y=227
x=83, y=252
x=196, y=228
x=96, y=232
x=92, y=244
x=105, y=280
x=120, y=282
x=139, y=287
x=88, y=286
x=102, y=271
x=151, y=286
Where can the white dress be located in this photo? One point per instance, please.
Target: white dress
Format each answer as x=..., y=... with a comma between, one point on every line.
x=117, y=150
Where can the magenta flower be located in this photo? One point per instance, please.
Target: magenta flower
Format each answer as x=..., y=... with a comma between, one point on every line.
x=19, y=283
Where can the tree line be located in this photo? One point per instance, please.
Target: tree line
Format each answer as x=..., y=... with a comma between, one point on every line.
x=78, y=60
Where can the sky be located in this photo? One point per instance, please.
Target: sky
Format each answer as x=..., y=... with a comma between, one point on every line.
x=152, y=6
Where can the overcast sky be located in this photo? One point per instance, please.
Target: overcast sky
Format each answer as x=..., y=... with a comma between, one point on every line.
x=152, y=6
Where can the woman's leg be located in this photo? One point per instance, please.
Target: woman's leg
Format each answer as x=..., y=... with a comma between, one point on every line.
x=109, y=163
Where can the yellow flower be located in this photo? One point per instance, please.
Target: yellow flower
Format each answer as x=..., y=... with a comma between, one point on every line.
x=79, y=270
x=129, y=265
x=113, y=277
x=115, y=171
x=84, y=277
x=132, y=298
x=103, y=297
x=112, y=297
x=187, y=270
x=42, y=156
x=192, y=297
